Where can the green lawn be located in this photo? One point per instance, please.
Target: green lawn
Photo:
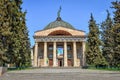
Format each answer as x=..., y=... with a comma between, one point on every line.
x=105, y=69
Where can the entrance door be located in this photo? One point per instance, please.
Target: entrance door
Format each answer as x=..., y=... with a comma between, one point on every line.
x=50, y=62
x=60, y=62
x=69, y=62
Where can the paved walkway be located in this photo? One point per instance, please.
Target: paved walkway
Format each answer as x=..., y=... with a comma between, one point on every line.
x=61, y=74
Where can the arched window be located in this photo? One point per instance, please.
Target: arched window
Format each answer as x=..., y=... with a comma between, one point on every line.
x=59, y=33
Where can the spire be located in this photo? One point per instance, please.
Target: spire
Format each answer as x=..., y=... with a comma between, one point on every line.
x=58, y=14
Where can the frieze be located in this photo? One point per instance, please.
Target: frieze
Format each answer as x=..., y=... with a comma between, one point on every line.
x=59, y=38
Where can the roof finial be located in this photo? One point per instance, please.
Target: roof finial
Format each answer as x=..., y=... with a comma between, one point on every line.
x=59, y=11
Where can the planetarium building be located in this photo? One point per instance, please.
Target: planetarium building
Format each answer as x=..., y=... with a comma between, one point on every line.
x=59, y=44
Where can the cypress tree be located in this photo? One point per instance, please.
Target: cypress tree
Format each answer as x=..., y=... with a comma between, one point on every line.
x=14, y=45
x=93, y=53
x=14, y=40
x=107, y=39
x=4, y=30
x=13, y=33
x=116, y=32
x=23, y=34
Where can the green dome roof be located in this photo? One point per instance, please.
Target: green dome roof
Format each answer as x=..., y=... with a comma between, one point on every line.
x=57, y=23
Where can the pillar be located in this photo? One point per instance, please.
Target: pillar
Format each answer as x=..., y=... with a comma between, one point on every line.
x=83, y=54
x=36, y=55
x=74, y=54
x=32, y=57
x=54, y=55
x=45, y=54
x=65, y=54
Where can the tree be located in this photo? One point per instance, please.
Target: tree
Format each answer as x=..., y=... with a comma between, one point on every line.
x=107, y=39
x=25, y=44
x=19, y=48
x=93, y=53
x=4, y=30
x=14, y=45
x=116, y=32
x=25, y=59
x=14, y=40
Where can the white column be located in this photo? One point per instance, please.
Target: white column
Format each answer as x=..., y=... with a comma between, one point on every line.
x=36, y=55
x=83, y=53
x=74, y=54
x=38, y=58
x=32, y=57
x=45, y=54
x=65, y=54
x=54, y=55
x=39, y=62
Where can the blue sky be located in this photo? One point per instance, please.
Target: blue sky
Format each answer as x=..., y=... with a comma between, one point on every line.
x=76, y=12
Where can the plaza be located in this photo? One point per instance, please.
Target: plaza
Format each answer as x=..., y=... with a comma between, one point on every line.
x=61, y=73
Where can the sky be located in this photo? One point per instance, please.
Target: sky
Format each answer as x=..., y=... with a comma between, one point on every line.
x=76, y=12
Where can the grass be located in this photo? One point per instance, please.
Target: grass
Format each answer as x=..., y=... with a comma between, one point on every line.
x=23, y=68
x=105, y=69
x=89, y=67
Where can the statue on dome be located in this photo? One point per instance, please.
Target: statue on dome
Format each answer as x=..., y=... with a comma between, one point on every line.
x=59, y=12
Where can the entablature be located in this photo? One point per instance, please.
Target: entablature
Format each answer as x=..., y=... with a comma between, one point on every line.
x=59, y=38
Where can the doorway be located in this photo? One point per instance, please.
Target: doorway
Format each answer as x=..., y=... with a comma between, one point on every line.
x=60, y=62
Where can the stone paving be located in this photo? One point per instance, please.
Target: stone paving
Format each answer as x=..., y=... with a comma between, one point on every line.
x=61, y=74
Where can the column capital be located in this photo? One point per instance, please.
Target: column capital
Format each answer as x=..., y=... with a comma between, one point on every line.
x=83, y=41
x=36, y=43
x=54, y=42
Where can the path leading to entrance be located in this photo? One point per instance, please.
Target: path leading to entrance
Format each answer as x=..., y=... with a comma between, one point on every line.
x=61, y=74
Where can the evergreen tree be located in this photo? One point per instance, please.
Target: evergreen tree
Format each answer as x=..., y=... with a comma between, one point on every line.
x=14, y=41
x=116, y=32
x=25, y=44
x=93, y=53
x=26, y=41
x=107, y=39
x=4, y=30
x=24, y=51
x=19, y=48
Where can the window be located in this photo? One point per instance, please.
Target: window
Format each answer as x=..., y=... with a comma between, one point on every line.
x=50, y=47
x=69, y=47
x=50, y=56
x=69, y=56
x=78, y=55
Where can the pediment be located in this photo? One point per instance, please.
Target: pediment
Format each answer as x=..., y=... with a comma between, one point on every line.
x=60, y=30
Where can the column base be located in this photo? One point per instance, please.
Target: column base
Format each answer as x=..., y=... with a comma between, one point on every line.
x=35, y=66
x=65, y=65
x=44, y=66
x=55, y=66
x=76, y=66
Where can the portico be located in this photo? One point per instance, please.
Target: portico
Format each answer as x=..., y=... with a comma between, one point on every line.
x=63, y=50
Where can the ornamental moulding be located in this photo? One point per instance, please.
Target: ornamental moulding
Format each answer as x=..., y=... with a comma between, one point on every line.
x=59, y=38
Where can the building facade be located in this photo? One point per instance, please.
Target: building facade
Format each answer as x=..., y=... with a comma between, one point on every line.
x=59, y=44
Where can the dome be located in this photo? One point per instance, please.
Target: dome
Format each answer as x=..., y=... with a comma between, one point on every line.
x=58, y=22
